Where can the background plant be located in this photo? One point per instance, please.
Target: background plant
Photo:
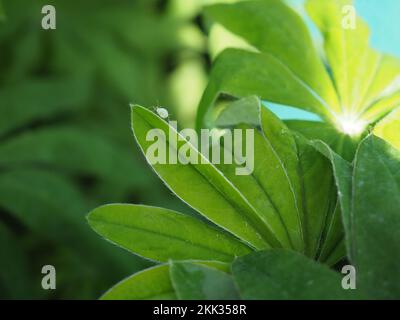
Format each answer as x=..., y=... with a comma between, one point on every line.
x=64, y=142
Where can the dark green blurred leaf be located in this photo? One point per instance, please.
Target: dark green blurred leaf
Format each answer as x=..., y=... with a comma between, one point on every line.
x=73, y=150
x=32, y=101
x=14, y=266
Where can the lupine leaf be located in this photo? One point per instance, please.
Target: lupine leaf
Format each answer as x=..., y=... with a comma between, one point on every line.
x=376, y=219
x=153, y=283
x=309, y=177
x=225, y=204
x=274, y=28
x=241, y=73
x=162, y=234
x=365, y=84
x=389, y=128
x=352, y=61
x=286, y=275
x=149, y=284
x=342, y=172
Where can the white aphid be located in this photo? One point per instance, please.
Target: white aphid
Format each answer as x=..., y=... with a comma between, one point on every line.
x=162, y=112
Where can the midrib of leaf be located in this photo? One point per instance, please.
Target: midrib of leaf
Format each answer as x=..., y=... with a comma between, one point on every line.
x=255, y=226
x=299, y=216
x=353, y=243
x=186, y=241
x=344, y=55
x=304, y=217
x=276, y=210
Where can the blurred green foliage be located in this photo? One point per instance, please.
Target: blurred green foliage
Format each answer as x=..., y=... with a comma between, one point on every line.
x=65, y=143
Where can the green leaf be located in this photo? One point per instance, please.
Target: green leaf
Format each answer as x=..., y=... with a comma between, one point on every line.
x=196, y=282
x=376, y=218
x=369, y=197
x=240, y=73
x=274, y=28
x=382, y=107
x=385, y=83
x=354, y=88
x=310, y=180
x=342, y=171
x=389, y=127
x=149, y=284
x=283, y=182
x=285, y=187
x=226, y=206
x=342, y=144
x=352, y=61
x=162, y=234
x=286, y=275
x=264, y=188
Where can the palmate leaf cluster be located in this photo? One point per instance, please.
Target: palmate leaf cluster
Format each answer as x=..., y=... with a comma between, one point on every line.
x=320, y=192
x=64, y=145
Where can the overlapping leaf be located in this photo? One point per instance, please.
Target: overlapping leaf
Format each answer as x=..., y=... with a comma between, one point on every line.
x=369, y=195
x=162, y=282
x=149, y=284
x=282, y=203
x=226, y=205
x=288, y=173
x=364, y=85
